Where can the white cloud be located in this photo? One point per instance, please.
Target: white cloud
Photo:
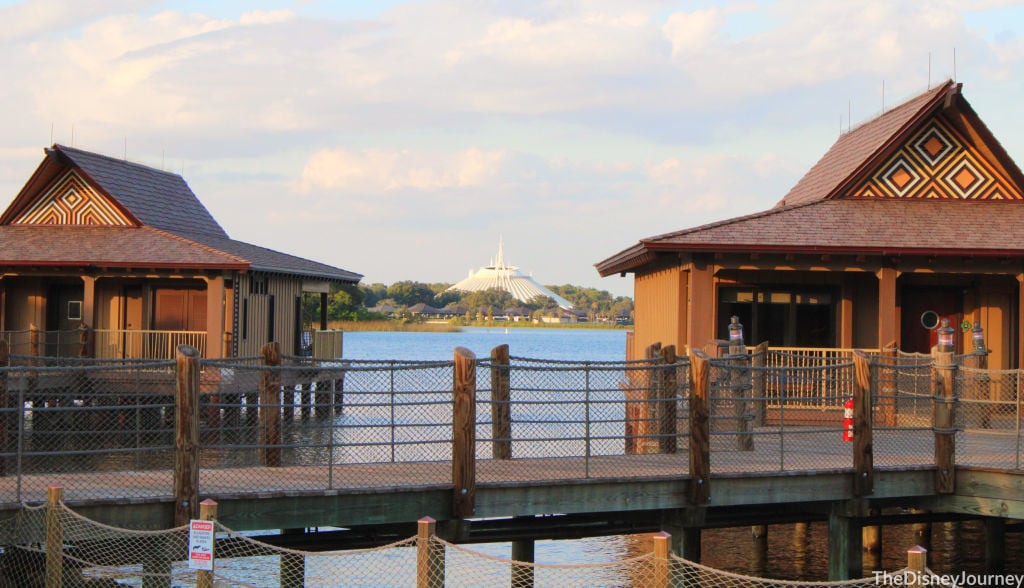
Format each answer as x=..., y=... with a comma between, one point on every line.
x=377, y=170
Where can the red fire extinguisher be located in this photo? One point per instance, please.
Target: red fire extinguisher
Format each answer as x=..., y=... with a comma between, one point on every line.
x=848, y=420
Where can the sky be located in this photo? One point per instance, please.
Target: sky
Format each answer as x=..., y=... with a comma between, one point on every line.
x=403, y=140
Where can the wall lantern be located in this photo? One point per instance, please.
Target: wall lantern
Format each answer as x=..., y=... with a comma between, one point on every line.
x=978, y=336
x=735, y=331
x=945, y=336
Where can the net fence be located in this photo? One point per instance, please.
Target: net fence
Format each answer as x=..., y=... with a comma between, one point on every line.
x=108, y=427
x=55, y=546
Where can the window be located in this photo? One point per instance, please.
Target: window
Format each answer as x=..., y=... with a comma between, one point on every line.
x=74, y=310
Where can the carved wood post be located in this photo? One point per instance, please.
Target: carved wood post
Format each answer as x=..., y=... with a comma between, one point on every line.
x=738, y=381
x=501, y=410
x=863, y=452
x=186, y=435
x=464, y=434
x=700, y=431
x=759, y=383
x=666, y=413
x=270, y=406
x=83, y=340
x=33, y=340
x=943, y=376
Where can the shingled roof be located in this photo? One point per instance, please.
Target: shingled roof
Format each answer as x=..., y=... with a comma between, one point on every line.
x=819, y=214
x=171, y=227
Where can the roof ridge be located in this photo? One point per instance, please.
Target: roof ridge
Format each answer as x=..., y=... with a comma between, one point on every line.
x=905, y=103
x=183, y=239
x=122, y=161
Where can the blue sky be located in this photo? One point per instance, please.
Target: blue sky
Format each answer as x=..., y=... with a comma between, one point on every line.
x=402, y=140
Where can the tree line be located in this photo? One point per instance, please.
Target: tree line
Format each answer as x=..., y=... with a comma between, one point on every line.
x=353, y=302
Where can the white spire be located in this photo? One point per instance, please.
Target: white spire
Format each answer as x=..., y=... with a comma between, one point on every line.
x=500, y=264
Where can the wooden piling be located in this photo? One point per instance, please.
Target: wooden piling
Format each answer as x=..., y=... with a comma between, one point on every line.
x=429, y=557
x=666, y=406
x=464, y=434
x=917, y=562
x=208, y=512
x=943, y=376
x=871, y=542
x=661, y=568
x=186, y=435
x=270, y=406
x=501, y=395
x=995, y=545
x=863, y=443
x=740, y=389
x=700, y=431
x=54, y=536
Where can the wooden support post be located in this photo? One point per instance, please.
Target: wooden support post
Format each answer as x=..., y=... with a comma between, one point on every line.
x=943, y=418
x=501, y=409
x=270, y=406
x=54, y=536
x=208, y=512
x=429, y=557
x=863, y=443
x=700, y=432
x=917, y=561
x=872, y=543
x=646, y=424
x=33, y=340
x=759, y=383
x=886, y=393
x=522, y=551
x=844, y=548
x=740, y=390
x=759, y=549
x=661, y=568
x=83, y=340
x=464, y=434
x=8, y=410
x=995, y=545
x=293, y=565
x=666, y=407
x=186, y=436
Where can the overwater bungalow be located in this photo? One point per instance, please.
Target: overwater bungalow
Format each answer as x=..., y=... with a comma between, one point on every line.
x=910, y=218
x=131, y=254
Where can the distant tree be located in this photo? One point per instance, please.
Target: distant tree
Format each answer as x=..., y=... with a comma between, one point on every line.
x=408, y=293
x=447, y=297
x=494, y=299
x=373, y=293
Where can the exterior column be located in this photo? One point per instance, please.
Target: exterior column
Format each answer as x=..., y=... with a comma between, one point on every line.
x=701, y=315
x=845, y=317
x=888, y=326
x=89, y=301
x=214, y=316
x=1020, y=321
x=323, y=311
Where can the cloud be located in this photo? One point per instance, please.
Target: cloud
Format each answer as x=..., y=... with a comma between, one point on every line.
x=378, y=170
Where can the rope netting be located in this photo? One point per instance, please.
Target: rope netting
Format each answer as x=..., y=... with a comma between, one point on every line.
x=55, y=546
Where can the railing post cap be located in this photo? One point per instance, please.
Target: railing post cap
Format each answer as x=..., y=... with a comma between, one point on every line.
x=208, y=502
x=426, y=520
x=188, y=350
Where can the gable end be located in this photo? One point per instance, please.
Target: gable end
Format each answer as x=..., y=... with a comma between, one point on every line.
x=70, y=200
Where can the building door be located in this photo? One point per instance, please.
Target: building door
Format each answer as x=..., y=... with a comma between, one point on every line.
x=64, y=315
x=177, y=314
x=915, y=302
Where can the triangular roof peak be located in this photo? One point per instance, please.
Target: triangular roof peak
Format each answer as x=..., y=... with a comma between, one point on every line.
x=142, y=194
x=932, y=146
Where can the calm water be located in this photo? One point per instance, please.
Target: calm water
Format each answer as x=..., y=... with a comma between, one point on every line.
x=561, y=344
x=795, y=553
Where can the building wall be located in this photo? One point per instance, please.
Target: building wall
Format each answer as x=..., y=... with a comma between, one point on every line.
x=266, y=312
x=660, y=309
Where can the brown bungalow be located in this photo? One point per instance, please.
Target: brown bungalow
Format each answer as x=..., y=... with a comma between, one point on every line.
x=129, y=251
x=917, y=210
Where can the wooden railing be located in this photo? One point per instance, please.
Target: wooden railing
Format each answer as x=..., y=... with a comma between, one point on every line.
x=809, y=377
x=140, y=344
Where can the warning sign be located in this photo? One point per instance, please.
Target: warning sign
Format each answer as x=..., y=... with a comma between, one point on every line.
x=200, y=545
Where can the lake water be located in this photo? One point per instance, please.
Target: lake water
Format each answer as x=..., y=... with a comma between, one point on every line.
x=794, y=552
